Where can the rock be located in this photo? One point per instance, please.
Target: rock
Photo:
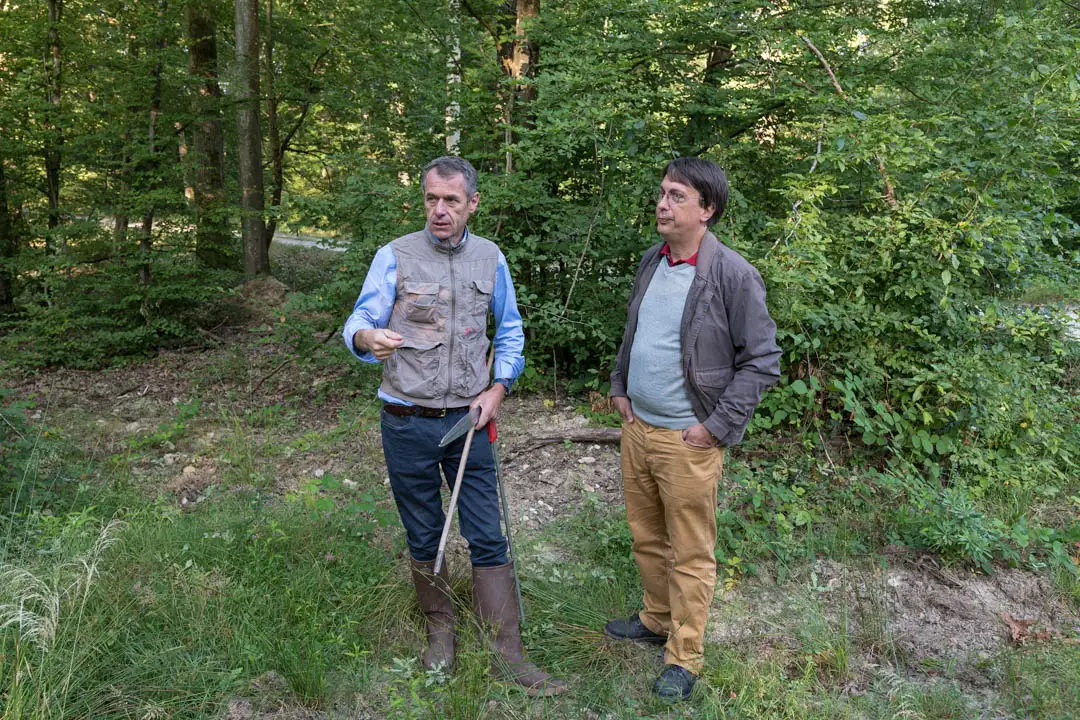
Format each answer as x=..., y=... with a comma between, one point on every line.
x=240, y=710
x=190, y=470
x=587, y=460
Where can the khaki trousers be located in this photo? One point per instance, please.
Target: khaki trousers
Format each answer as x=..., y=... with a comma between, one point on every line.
x=670, y=491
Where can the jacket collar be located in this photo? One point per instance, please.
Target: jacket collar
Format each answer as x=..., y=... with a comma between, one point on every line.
x=707, y=250
x=443, y=246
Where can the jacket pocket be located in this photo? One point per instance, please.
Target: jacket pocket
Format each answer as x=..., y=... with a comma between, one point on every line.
x=421, y=301
x=470, y=365
x=480, y=292
x=715, y=378
x=416, y=368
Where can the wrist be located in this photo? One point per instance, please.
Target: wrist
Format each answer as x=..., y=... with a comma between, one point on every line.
x=502, y=382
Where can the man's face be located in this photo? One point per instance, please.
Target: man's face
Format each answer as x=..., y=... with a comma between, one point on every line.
x=679, y=215
x=448, y=205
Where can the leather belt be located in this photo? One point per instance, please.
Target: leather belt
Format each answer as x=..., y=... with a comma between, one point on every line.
x=409, y=410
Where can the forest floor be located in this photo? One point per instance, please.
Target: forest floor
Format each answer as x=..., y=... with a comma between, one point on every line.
x=261, y=541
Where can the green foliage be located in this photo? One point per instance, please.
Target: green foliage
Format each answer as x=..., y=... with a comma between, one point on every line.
x=89, y=316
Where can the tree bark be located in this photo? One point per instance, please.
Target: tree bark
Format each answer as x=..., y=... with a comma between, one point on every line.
x=518, y=58
x=146, y=238
x=212, y=241
x=273, y=130
x=248, y=128
x=53, y=137
x=526, y=55
x=453, y=80
x=702, y=127
x=7, y=249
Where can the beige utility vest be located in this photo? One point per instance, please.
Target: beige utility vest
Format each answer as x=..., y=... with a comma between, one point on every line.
x=443, y=296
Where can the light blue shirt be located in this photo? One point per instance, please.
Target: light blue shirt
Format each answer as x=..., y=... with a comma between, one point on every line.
x=372, y=310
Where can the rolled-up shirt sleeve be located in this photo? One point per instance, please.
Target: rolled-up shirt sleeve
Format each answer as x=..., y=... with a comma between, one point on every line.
x=372, y=309
x=509, y=335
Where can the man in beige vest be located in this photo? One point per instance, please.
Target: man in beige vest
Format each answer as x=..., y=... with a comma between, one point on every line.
x=423, y=313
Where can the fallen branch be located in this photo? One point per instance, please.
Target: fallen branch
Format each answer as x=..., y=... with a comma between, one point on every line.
x=584, y=435
x=270, y=374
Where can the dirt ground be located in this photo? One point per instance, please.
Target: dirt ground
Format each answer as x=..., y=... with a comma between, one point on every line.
x=905, y=606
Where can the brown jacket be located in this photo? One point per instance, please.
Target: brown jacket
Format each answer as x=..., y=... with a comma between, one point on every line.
x=729, y=351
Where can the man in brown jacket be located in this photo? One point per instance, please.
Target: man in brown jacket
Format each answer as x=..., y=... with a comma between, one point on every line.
x=698, y=351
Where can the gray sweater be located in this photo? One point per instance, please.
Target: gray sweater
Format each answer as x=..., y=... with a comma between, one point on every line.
x=654, y=380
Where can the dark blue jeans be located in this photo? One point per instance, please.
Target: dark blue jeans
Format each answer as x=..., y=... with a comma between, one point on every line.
x=414, y=459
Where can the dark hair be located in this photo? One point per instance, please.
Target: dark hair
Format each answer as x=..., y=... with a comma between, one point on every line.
x=706, y=177
x=447, y=167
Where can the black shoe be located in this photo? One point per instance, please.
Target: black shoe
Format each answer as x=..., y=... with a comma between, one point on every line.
x=674, y=684
x=633, y=629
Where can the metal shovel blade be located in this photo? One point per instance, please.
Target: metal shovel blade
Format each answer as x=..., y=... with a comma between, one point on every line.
x=460, y=427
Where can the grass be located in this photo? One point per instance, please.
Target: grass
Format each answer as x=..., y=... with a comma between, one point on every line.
x=287, y=588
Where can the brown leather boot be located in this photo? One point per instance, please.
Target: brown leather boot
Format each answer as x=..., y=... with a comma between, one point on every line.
x=495, y=604
x=433, y=594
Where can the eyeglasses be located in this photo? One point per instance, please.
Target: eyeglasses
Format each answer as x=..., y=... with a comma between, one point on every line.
x=676, y=197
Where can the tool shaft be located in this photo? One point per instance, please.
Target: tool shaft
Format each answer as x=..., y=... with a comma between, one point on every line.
x=453, y=500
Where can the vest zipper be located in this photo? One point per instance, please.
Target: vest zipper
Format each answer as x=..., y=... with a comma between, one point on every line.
x=453, y=323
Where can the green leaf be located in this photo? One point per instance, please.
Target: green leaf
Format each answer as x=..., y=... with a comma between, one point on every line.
x=799, y=387
x=859, y=115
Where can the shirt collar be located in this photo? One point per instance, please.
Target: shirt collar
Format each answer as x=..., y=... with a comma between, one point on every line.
x=445, y=245
x=666, y=252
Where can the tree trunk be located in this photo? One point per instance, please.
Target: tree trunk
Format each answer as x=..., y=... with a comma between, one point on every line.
x=185, y=163
x=453, y=80
x=53, y=137
x=7, y=249
x=212, y=241
x=525, y=56
x=256, y=258
x=146, y=238
x=273, y=130
x=519, y=58
x=702, y=129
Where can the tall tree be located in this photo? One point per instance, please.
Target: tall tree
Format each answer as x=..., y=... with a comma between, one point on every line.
x=289, y=103
x=249, y=138
x=153, y=155
x=7, y=248
x=212, y=239
x=53, y=60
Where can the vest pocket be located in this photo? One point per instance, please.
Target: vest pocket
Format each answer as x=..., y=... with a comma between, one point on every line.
x=421, y=300
x=415, y=368
x=480, y=295
x=470, y=366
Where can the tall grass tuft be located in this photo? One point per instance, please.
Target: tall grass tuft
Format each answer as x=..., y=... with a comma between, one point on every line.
x=37, y=610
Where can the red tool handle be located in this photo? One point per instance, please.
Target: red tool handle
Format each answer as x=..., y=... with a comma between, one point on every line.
x=493, y=432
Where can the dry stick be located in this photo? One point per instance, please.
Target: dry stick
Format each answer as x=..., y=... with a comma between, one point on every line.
x=453, y=499
x=270, y=374
x=461, y=474
x=890, y=193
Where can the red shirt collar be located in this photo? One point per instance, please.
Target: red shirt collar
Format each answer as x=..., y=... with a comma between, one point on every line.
x=666, y=252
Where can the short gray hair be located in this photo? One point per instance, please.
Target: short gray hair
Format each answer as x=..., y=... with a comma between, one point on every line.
x=449, y=166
